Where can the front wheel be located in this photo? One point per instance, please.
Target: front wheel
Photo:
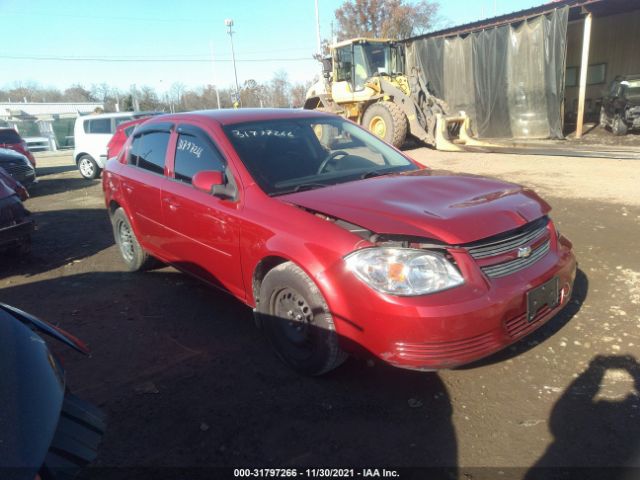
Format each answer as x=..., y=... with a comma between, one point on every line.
x=387, y=121
x=297, y=322
x=88, y=167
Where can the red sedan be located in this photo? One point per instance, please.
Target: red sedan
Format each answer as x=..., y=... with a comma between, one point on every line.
x=337, y=239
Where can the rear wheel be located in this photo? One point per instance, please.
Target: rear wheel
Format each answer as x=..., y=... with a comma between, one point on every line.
x=387, y=121
x=618, y=127
x=296, y=320
x=135, y=258
x=88, y=167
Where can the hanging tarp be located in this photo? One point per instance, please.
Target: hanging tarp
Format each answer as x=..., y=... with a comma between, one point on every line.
x=508, y=79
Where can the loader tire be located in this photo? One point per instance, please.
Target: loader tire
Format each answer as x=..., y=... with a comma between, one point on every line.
x=387, y=121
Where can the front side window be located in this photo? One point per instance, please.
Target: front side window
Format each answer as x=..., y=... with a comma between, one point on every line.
x=195, y=154
x=148, y=151
x=289, y=155
x=344, y=64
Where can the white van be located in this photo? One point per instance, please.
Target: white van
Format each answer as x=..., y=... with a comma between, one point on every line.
x=91, y=136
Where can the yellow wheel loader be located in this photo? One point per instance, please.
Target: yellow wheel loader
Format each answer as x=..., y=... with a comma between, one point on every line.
x=364, y=80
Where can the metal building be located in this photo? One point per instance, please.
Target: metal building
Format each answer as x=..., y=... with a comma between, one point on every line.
x=530, y=73
x=51, y=122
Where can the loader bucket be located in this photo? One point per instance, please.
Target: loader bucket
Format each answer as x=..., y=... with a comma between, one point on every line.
x=452, y=133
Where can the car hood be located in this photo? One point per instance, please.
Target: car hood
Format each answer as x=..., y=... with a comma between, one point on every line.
x=455, y=209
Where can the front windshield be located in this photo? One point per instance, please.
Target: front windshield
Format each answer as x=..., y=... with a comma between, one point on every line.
x=289, y=155
x=632, y=88
x=378, y=58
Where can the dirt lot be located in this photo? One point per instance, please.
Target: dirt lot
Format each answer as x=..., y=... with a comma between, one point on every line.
x=186, y=379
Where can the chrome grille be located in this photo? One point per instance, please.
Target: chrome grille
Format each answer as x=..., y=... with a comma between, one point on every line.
x=492, y=247
x=534, y=233
x=512, y=266
x=18, y=170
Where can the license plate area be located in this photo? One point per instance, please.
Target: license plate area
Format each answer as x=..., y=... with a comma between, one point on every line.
x=546, y=294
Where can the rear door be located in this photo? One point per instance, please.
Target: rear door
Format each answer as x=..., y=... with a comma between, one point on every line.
x=143, y=182
x=204, y=229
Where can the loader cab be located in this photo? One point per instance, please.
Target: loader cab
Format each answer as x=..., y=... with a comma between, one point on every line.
x=355, y=61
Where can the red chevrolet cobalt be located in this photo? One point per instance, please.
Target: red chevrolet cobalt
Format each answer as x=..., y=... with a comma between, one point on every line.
x=337, y=239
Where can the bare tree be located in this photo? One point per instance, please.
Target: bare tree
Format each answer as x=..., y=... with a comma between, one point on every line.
x=299, y=93
x=279, y=90
x=77, y=93
x=385, y=18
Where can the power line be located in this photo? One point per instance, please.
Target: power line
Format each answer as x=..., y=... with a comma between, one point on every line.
x=147, y=59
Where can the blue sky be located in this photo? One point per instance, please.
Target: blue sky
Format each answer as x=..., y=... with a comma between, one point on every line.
x=170, y=41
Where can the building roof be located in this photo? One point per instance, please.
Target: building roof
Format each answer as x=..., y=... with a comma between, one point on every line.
x=577, y=7
x=34, y=109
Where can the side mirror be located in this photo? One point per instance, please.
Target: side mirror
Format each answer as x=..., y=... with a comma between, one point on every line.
x=206, y=181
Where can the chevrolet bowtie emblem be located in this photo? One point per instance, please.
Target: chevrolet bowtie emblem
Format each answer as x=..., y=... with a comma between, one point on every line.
x=524, y=252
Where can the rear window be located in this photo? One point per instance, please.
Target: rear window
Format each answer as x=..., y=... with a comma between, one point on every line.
x=149, y=150
x=99, y=125
x=129, y=130
x=9, y=135
x=120, y=120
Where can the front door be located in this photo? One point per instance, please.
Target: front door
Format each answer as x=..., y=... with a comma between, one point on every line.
x=204, y=231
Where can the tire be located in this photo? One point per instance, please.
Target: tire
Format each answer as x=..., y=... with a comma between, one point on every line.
x=387, y=121
x=296, y=320
x=88, y=167
x=618, y=127
x=324, y=133
x=134, y=257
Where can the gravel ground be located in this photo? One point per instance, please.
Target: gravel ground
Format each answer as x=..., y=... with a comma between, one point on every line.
x=186, y=380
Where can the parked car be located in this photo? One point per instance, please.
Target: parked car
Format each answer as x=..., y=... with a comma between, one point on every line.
x=336, y=239
x=620, y=109
x=16, y=224
x=18, y=166
x=47, y=432
x=123, y=131
x=9, y=138
x=91, y=136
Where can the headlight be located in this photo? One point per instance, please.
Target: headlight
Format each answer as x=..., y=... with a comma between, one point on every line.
x=403, y=271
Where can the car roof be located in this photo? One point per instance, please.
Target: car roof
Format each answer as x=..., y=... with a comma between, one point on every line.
x=129, y=123
x=230, y=116
x=92, y=116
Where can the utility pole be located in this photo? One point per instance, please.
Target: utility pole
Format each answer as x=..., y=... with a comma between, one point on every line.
x=229, y=23
x=318, y=39
x=213, y=76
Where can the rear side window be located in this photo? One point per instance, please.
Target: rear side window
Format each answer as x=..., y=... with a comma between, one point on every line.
x=9, y=135
x=195, y=153
x=99, y=125
x=148, y=151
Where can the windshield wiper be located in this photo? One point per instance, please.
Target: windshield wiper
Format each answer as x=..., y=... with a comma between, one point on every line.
x=302, y=187
x=375, y=173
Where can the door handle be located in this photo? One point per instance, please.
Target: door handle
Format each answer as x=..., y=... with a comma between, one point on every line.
x=172, y=203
